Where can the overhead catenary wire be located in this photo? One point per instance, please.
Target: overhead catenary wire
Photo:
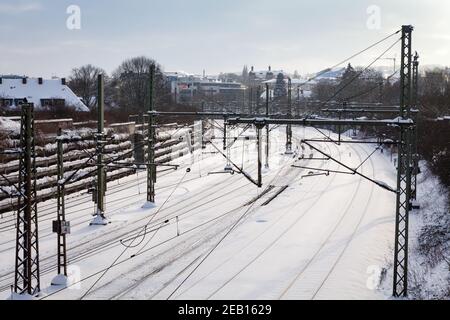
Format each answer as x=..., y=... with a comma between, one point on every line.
x=337, y=92
x=368, y=157
x=349, y=58
x=143, y=251
x=370, y=89
x=182, y=214
x=360, y=73
x=220, y=241
x=127, y=247
x=156, y=213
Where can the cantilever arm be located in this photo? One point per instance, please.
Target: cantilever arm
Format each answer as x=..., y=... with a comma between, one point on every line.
x=378, y=183
x=249, y=178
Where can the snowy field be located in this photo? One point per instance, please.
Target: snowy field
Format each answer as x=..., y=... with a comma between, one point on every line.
x=214, y=236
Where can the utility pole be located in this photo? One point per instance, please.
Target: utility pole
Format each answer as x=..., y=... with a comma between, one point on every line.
x=203, y=127
x=228, y=166
x=403, y=202
x=26, y=276
x=61, y=227
x=251, y=101
x=258, y=98
x=289, y=114
x=243, y=101
x=258, y=145
x=100, y=218
x=176, y=95
x=151, y=167
x=267, y=126
x=225, y=133
x=415, y=153
x=339, y=127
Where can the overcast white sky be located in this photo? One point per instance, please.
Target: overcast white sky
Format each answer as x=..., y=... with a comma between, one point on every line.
x=218, y=36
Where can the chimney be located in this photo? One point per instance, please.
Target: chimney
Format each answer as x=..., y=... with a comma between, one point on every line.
x=24, y=80
x=253, y=68
x=63, y=81
x=40, y=81
x=270, y=68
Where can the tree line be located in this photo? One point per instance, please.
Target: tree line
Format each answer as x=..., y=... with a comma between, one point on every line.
x=433, y=101
x=126, y=89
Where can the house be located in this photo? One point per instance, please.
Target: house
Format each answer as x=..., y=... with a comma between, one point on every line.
x=43, y=93
x=256, y=77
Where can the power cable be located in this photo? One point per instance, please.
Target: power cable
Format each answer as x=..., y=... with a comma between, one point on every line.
x=126, y=248
x=220, y=241
x=369, y=90
x=360, y=73
x=349, y=58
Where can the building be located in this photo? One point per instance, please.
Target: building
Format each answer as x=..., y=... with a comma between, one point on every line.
x=301, y=88
x=187, y=86
x=257, y=77
x=43, y=93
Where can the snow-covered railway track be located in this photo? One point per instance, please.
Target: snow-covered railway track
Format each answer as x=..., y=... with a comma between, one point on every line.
x=88, y=248
x=140, y=280
x=187, y=247
x=205, y=238
x=272, y=243
x=351, y=238
x=345, y=213
x=255, y=239
x=291, y=286
x=270, y=192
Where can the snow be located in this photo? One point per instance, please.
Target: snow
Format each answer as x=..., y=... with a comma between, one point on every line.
x=99, y=220
x=148, y=205
x=60, y=280
x=69, y=135
x=429, y=271
x=21, y=297
x=9, y=125
x=385, y=185
x=318, y=239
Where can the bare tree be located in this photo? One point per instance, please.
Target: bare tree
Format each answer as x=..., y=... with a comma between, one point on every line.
x=83, y=81
x=131, y=81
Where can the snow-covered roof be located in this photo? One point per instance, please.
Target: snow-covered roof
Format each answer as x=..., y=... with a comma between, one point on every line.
x=294, y=82
x=263, y=74
x=34, y=92
x=331, y=74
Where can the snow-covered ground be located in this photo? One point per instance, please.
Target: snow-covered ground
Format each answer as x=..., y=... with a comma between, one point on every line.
x=429, y=243
x=211, y=237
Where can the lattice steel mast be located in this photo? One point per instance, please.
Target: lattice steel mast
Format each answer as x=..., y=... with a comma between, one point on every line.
x=403, y=202
x=61, y=226
x=27, y=277
x=415, y=153
x=151, y=137
x=267, y=127
x=100, y=218
x=289, y=114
